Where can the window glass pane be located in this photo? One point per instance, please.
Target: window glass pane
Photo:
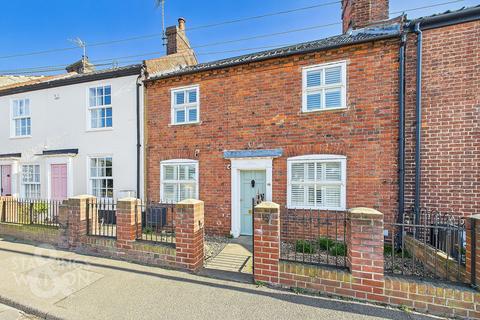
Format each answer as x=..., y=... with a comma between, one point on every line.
x=191, y=173
x=314, y=78
x=108, y=100
x=170, y=172
x=169, y=192
x=298, y=172
x=314, y=101
x=108, y=90
x=27, y=107
x=187, y=191
x=298, y=194
x=192, y=115
x=333, y=75
x=319, y=196
x=180, y=116
x=310, y=171
x=332, y=196
x=311, y=195
x=333, y=98
x=192, y=96
x=180, y=97
x=320, y=171
x=333, y=171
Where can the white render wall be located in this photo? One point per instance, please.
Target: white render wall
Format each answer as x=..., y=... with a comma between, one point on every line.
x=59, y=121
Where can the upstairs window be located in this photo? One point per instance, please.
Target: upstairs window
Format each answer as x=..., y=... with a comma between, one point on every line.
x=317, y=182
x=100, y=107
x=185, y=105
x=31, y=181
x=179, y=180
x=101, y=177
x=324, y=87
x=21, y=119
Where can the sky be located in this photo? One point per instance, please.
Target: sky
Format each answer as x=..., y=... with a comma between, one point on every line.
x=31, y=26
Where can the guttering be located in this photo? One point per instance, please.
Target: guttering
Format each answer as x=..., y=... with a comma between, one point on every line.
x=448, y=19
x=401, y=131
x=418, y=123
x=267, y=57
x=87, y=77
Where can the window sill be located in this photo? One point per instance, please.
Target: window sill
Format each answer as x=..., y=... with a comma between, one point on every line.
x=324, y=110
x=20, y=137
x=197, y=123
x=99, y=129
x=315, y=208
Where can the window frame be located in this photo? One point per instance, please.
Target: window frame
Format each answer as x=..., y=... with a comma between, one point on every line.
x=323, y=158
x=177, y=182
x=185, y=106
x=90, y=178
x=323, y=87
x=13, y=128
x=30, y=183
x=105, y=106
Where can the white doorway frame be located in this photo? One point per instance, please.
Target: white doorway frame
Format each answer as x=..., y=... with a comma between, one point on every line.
x=241, y=164
x=59, y=160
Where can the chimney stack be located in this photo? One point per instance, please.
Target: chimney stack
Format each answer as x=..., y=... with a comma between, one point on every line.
x=358, y=14
x=177, y=41
x=81, y=66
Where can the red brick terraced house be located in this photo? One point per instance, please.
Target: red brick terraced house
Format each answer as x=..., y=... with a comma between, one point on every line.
x=318, y=125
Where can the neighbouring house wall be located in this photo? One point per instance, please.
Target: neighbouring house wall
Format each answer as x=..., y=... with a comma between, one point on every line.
x=450, y=118
x=258, y=106
x=62, y=124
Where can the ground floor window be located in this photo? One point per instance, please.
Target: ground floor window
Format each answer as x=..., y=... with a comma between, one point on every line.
x=31, y=181
x=179, y=180
x=101, y=177
x=317, y=182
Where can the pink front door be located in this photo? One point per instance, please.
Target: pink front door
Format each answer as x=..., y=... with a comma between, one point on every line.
x=6, y=180
x=59, y=181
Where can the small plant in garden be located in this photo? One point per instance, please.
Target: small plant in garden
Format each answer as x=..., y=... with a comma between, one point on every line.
x=304, y=246
x=147, y=230
x=325, y=243
x=338, y=249
x=260, y=284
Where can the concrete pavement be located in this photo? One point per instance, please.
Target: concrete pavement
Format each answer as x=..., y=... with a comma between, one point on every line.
x=62, y=284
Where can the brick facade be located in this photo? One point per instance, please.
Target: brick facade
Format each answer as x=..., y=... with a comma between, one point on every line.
x=450, y=117
x=258, y=106
x=361, y=13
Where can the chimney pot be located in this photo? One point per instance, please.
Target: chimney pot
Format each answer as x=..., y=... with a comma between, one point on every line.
x=181, y=23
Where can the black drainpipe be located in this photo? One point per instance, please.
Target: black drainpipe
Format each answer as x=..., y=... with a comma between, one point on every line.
x=401, y=132
x=139, y=143
x=418, y=125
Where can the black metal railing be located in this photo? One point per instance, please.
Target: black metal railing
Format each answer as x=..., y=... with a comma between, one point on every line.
x=157, y=222
x=314, y=237
x=30, y=211
x=429, y=245
x=102, y=218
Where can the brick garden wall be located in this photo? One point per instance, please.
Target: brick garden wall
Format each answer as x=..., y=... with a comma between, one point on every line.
x=450, y=118
x=258, y=106
x=36, y=233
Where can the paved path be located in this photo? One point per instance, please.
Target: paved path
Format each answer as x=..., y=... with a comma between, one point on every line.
x=9, y=313
x=71, y=286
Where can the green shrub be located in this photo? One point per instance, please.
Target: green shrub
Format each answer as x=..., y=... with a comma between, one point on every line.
x=148, y=230
x=304, y=246
x=338, y=249
x=325, y=243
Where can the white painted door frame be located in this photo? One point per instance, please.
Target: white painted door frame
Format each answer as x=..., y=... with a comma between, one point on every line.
x=239, y=164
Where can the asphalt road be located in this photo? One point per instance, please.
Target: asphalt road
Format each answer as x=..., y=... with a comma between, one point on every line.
x=71, y=286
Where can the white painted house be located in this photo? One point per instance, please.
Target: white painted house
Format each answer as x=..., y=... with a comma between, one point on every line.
x=77, y=133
